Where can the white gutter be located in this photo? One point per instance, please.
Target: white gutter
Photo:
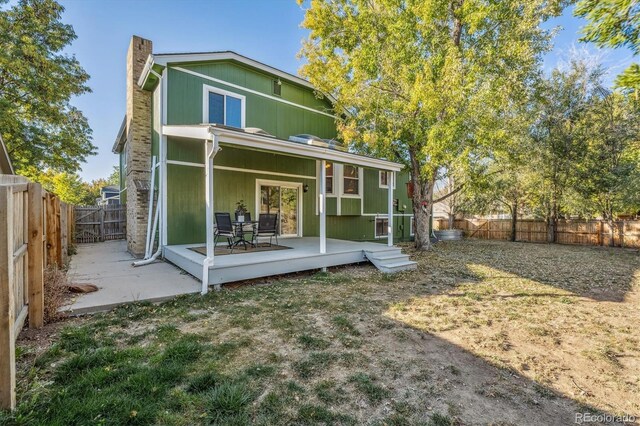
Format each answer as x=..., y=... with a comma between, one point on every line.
x=211, y=149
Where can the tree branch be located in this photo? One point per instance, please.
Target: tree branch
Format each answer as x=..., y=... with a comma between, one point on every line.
x=444, y=197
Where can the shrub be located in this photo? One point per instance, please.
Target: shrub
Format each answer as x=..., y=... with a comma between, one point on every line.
x=55, y=289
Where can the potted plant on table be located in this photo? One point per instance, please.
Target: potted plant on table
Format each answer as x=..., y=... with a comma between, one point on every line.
x=241, y=209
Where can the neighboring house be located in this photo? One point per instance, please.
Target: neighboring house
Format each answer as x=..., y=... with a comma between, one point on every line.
x=5, y=162
x=224, y=128
x=109, y=195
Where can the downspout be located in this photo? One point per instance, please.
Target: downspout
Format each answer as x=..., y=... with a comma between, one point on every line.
x=148, y=246
x=210, y=153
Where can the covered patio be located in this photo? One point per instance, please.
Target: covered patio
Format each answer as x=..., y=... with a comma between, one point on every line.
x=303, y=253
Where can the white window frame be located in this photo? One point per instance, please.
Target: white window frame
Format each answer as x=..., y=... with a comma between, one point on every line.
x=334, y=177
x=285, y=184
x=375, y=227
x=342, y=177
x=206, y=89
x=380, y=185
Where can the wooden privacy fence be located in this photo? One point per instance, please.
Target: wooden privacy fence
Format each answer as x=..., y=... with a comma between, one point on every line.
x=626, y=233
x=100, y=223
x=34, y=232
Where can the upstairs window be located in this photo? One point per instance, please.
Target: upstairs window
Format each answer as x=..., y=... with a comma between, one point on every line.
x=224, y=107
x=351, y=180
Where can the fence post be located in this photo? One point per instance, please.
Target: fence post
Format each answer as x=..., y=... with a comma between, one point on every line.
x=36, y=264
x=7, y=308
x=63, y=233
x=102, y=214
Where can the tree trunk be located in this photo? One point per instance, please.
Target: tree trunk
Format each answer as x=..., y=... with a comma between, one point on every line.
x=552, y=223
x=514, y=219
x=451, y=220
x=422, y=207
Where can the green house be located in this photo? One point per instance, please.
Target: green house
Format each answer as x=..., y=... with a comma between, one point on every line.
x=205, y=132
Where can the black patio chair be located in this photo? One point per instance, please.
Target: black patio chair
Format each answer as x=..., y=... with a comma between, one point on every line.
x=267, y=227
x=224, y=228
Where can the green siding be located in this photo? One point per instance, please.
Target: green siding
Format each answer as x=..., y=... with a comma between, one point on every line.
x=188, y=150
x=350, y=206
x=186, y=187
x=332, y=206
x=279, y=119
x=185, y=204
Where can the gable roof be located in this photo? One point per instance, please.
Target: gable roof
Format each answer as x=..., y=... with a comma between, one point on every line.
x=5, y=162
x=163, y=59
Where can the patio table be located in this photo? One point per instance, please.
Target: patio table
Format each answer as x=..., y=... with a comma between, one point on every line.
x=239, y=231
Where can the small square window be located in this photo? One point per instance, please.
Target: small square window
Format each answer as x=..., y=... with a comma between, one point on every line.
x=277, y=87
x=382, y=227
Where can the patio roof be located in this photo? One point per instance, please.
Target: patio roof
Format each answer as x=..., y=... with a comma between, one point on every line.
x=239, y=137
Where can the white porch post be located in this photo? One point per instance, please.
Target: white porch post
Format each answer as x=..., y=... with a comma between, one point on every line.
x=322, y=198
x=211, y=148
x=391, y=178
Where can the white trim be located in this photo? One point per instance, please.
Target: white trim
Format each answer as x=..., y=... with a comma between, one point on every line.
x=206, y=89
x=380, y=172
x=322, y=201
x=266, y=143
x=166, y=59
x=122, y=190
x=285, y=184
x=162, y=150
x=411, y=231
x=255, y=92
x=392, y=178
x=375, y=227
x=186, y=163
x=360, y=183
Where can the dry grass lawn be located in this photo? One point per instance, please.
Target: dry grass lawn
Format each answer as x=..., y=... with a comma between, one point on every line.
x=482, y=333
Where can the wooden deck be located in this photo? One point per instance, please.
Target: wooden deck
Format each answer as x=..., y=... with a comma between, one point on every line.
x=304, y=255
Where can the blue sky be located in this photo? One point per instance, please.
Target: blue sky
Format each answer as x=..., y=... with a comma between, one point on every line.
x=266, y=30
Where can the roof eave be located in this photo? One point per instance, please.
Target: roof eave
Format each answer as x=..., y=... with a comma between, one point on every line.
x=120, y=138
x=168, y=58
x=268, y=143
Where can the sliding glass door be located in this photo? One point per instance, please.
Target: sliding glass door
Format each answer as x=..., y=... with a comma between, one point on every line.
x=283, y=200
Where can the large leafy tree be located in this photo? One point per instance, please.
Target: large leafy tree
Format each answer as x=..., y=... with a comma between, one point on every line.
x=609, y=175
x=37, y=80
x=614, y=23
x=559, y=144
x=422, y=81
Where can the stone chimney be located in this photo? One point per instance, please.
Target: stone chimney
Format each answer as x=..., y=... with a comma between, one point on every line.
x=138, y=147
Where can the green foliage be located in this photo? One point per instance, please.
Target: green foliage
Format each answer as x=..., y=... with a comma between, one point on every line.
x=37, y=81
x=614, y=23
x=425, y=82
x=608, y=178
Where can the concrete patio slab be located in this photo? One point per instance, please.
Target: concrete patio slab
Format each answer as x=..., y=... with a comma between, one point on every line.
x=108, y=265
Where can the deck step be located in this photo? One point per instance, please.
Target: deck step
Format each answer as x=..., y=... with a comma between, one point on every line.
x=391, y=260
x=390, y=257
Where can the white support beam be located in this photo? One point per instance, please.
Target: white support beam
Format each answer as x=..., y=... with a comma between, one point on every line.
x=323, y=206
x=210, y=150
x=391, y=178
